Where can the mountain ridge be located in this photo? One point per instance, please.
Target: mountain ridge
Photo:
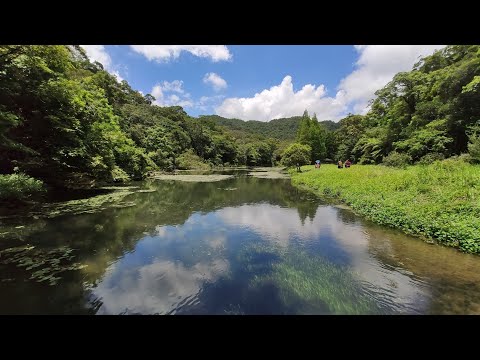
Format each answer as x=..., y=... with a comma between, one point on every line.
x=281, y=129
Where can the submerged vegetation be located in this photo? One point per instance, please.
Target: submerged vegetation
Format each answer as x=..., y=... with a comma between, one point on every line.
x=440, y=201
x=309, y=284
x=42, y=265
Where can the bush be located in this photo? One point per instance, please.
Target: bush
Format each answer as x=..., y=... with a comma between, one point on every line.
x=467, y=158
x=19, y=186
x=296, y=154
x=464, y=158
x=118, y=175
x=474, y=149
x=430, y=158
x=190, y=160
x=133, y=161
x=396, y=159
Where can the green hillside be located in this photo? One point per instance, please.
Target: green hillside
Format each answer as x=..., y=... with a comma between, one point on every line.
x=281, y=129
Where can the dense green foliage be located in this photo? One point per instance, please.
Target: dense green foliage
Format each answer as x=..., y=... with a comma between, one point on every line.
x=474, y=145
x=396, y=159
x=438, y=201
x=280, y=129
x=251, y=135
x=312, y=133
x=190, y=160
x=296, y=154
x=429, y=110
x=19, y=186
x=57, y=122
x=68, y=122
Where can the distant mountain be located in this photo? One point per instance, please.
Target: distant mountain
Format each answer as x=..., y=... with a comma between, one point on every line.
x=281, y=129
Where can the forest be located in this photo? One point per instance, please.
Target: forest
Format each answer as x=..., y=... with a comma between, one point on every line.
x=66, y=122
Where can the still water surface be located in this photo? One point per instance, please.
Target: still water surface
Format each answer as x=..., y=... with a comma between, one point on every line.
x=239, y=246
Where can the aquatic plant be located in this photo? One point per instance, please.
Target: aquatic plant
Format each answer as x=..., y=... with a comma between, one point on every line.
x=308, y=283
x=42, y=265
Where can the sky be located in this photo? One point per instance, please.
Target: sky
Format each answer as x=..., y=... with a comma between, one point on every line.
x=260, y=82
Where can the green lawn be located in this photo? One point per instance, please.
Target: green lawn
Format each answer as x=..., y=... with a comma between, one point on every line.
x=439, y=201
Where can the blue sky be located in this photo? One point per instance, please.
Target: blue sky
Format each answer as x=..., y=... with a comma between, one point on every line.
x=260, y=82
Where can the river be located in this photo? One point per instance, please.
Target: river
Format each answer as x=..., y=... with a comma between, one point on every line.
x=242, y=245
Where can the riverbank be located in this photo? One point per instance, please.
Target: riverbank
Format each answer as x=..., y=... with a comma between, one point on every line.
x=439, y=202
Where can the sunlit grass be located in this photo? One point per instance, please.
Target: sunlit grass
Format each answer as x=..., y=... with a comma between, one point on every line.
x=440, y=201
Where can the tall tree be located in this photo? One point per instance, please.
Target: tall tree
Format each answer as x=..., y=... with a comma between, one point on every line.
x=311, y=133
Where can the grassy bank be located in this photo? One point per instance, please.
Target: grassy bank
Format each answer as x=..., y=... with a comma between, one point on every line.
x=440, y=201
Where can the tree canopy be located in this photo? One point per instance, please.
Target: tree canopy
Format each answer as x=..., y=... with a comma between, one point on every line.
x=68, y=122
x=432, y=109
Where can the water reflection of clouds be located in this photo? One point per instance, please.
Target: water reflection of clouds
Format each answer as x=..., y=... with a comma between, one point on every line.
x=275, y=223
x=158, y=287
x=157, y=277
x=386, y=284
x=169, y=270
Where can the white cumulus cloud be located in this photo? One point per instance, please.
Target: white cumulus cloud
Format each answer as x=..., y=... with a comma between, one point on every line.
x=100, y=54
x=376, y=66
x=164, y=97
x=282, y=101
x=206, y=103
x=117, y=75
x=168, y=52
x=174, y=86
x=215, y=81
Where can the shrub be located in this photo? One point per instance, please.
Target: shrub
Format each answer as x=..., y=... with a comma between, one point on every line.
x=19, y=186
x=396, y=159
x=118, y=175
x=474, y=149
x=430, y=158
x=464, y=158
x=296, y=154
x=190, y=160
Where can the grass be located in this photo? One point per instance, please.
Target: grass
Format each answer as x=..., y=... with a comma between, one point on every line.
x=438, y=202
x=19, y=187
